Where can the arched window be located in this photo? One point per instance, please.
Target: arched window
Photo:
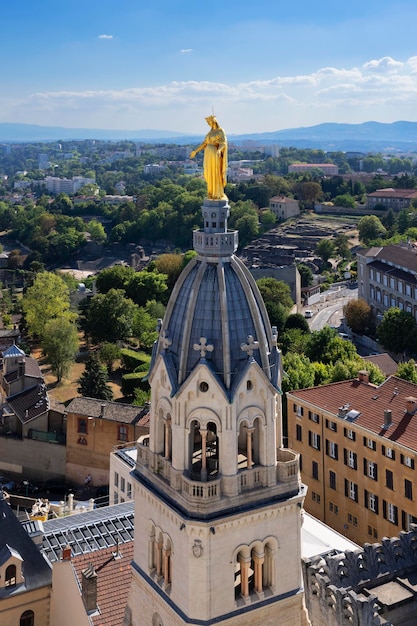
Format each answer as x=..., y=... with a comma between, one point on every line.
x=27, y=619
x=10, y=578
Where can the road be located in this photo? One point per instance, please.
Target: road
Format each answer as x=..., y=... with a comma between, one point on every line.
x=331, y=311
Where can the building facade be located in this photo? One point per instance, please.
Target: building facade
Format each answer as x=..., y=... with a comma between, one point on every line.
x=389, y=198
x=217, y=496
x=387, y=277
x=94, y=427
x=358, y=449
x=283, y=208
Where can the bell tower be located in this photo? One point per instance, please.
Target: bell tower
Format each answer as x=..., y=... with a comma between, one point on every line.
x=218, y=500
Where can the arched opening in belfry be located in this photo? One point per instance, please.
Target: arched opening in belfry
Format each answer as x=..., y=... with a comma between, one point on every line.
x=204, y=447
x=167, y=437
x=249, y=444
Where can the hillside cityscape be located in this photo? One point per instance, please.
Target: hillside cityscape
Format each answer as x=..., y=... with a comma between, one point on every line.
x=230, y=374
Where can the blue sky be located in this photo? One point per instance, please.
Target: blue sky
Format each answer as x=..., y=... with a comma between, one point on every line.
x=166, y=64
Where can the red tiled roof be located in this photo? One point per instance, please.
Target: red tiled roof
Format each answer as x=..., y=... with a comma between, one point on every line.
x=113, y=581
x=371, y=402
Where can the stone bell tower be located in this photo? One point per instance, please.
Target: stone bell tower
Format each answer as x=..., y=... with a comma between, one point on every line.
x=218, y=500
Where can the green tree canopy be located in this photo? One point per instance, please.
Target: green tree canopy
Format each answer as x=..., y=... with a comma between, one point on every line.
x=109, y=316
x=298, y=372
x=116, y=277
x=407, y=371
x=144, y=286
x=45, y=300
x=370, y=227
x=93, y=381
x=60, y=345
x=97, y=232
x=398, y=331
x=108, y=354
x=326, y=346
x=275, y=291
x=325, y=249
x=306, y=274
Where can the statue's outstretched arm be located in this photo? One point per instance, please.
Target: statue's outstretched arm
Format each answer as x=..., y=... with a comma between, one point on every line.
x=201, y=147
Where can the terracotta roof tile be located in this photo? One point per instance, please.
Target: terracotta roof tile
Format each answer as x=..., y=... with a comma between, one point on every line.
x=113, y=581
x=371, y=402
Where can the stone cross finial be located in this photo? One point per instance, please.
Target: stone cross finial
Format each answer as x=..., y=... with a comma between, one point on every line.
x=165, y=340
x=250, y=346
x=203, y=347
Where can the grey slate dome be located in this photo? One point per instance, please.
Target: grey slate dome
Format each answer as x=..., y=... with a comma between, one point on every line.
x=216, y=312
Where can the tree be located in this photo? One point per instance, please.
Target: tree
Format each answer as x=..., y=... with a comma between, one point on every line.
x=296, y=320
x=370, y=227
x=397, y=331
x=325, y=249
x=345, y=200
x=308, y=192
x=109, y=316
x=108, y=354
x=275, y=291
x=306, y=274
x=144, y=286
x=342, y=246
x=93, y=381
x=326, y=346
x=299, y=372
x=60, y=345
x=46, y=299
x=116, y=277
x=358, y=316
x=97, y=232
x=407, y=371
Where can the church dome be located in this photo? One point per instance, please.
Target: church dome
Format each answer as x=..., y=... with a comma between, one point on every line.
x=216, y=312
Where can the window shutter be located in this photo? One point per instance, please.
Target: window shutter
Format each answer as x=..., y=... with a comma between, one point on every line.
x=365, y=499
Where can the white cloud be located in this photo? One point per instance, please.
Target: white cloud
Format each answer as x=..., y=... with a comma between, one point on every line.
x=105, y=36
x=385, y=65
x=186, y=50
x=379, y=89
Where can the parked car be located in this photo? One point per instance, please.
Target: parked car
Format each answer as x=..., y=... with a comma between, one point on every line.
x=343, y=335
x=308, y=313
x=7, y=483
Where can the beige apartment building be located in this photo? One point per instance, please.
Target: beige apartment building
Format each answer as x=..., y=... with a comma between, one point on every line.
x=358, y=449
x=283, y=208
x=387, y=277
x=395, y=199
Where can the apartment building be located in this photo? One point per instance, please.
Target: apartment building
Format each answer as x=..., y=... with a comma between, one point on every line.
x=387, y=277
x=358, y=449
x=390, y=198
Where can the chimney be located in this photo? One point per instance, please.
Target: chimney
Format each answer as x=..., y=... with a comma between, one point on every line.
x=387, y=418
x=89, y=588
x=363, y=376
x=411, y=404
x=66, y=553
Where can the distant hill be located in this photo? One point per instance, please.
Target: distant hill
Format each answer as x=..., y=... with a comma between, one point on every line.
x=366, y=137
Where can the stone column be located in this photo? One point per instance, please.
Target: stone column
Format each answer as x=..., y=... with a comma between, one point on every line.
x=244, y=575
x=203, y=433
x=166, y=565
x=159, y=559
x=249, y=432
x=167, y=439
x=258, y=560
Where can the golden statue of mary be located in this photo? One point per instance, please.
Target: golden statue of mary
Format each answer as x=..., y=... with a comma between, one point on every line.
x=215, y=159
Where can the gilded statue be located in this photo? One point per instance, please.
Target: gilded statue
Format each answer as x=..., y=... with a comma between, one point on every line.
x=215, y=159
